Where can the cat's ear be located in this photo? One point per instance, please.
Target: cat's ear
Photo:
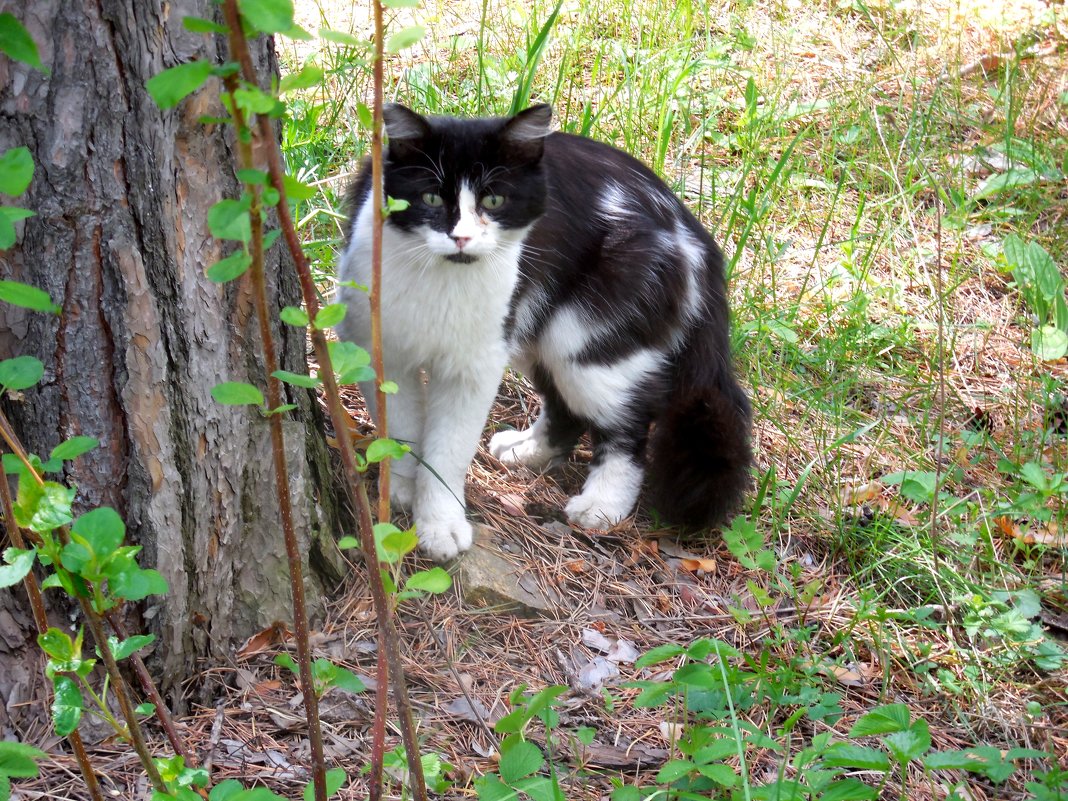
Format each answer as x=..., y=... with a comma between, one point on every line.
x=406, y=129
x=526, y=131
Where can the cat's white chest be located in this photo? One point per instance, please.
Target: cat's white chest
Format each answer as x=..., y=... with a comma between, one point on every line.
x=439, y=315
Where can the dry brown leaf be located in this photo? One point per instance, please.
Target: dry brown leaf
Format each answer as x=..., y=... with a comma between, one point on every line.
x=695, y=565
x=577, y=566
x=862, y=493
x=1049, y=535
x=264, y=639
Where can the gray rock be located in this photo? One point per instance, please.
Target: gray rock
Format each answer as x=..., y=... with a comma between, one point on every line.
x=484, y=577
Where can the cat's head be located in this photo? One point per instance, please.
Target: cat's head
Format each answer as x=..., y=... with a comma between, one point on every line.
x=473, y=186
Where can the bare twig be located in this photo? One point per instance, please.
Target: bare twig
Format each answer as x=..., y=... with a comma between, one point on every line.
x=338, y=417
x=40, y=619
x=281, y=469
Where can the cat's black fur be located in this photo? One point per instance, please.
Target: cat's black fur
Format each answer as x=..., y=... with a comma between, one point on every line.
x=613, y=257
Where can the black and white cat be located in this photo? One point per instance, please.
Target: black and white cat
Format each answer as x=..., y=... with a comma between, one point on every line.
x=574, y=263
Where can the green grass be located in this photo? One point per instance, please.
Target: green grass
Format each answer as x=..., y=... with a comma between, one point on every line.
x=848, y=159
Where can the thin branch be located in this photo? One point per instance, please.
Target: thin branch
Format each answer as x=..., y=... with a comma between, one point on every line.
x=339, y=420
x=40, y=619
x=281, y=469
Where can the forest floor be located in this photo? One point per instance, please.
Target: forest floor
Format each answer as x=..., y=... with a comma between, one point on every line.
x=888, y=181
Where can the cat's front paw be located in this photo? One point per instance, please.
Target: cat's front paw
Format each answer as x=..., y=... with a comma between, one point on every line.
x=592, y=510
x=443, y=539
x=520, y=448
x=402, y=491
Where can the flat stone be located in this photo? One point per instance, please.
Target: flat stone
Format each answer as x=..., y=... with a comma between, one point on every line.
x=484, y=577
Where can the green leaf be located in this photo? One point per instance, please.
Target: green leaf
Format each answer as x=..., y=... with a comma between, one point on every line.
x=201, y=25
x=26, y=296
x=9, y=215
x=127, y=647
x=491, y=788
x=723, y=775
x=297, y=379
x=17, y=44
x=145, y=710
x=381, y=449
x=229, y=219
x=348, y=542
x=405, y=38
x=335, y=777
x=22, y=372
x=226, y=790
x=348, y=681
x=18, y=760
x=73, y=448
x=16, y=171
x=286, y=661
x=951, y=760
x=435, y=581
x=137, y=584
x=67, y=705
x=291, y=315
x=297, y=190
x=389, y=387
x=227, y=269
x=847, y=755
x=365, y=116
x=393, y=544
x=253, y=100
x=401, y=3
x=882, y=720
x=329, y=316
x=662, y=653
x=1013, y=178
x=19, y=563
x=849, y=790
x=171, y=86
x=1049, y=343
x=911, y=744
x=351, y=362
x=42, y=508
x=237, y=393
x=102, y=528
x=57, y=644
x=309, y=75
x=520, y=759
x=674, y=769
x=267, y=16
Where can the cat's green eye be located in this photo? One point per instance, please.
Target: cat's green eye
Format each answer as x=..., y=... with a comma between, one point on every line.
x=492, y=201
x=432, y=200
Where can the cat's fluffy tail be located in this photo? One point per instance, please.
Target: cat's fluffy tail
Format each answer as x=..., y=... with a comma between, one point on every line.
x=699, y=455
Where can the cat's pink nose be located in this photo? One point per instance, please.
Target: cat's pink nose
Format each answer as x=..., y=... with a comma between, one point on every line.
x=461, y=241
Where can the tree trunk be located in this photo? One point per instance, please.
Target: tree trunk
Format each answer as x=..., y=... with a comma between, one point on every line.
x=119, y=240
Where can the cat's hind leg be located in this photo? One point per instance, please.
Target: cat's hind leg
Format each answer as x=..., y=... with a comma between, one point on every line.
x=553, y=434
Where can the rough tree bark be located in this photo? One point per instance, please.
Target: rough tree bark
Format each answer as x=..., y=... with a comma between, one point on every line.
x=120, y=241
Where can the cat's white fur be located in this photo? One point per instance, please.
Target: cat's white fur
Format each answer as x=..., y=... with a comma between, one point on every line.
x=444, y=320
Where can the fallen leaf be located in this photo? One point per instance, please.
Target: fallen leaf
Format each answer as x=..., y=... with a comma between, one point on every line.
x=577, y=566
x=264, y=639
x=623, y=652
x=698, y=565
x=512, y=504
x=595, y=673
x=670, y=731
x=596, y=640
x=472, y=710
x=861, y=493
